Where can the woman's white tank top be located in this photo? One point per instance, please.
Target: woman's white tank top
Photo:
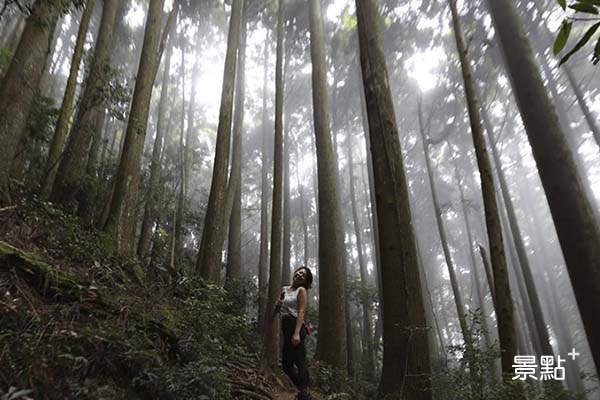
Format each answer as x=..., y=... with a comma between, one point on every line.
x=289, y=304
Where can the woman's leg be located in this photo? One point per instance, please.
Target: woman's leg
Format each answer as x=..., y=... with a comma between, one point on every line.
x=299, y=356
x=288, y=353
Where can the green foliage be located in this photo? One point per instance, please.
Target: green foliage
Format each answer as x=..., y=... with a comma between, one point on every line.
x=562, y=37
x=358, y=295
x=163, y=342
x=456, y=381
x=348, y=21
x=585, y=7
x=331, y=381
x=115, y=94
x=39, y=131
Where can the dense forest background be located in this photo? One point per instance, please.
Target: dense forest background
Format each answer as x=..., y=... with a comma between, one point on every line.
x=165, y=165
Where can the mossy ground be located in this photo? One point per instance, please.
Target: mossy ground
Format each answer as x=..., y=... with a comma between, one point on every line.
x=149, y=339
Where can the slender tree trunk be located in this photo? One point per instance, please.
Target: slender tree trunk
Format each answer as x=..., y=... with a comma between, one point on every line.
x=62, y=126
x=9, y=29
x=87, y=200
x=263, y=260
x=572, y=211
x=513, y=224
x=504, y=306
x=367, y=333
x=122, y=216
x=234, y=190
x=406, y=362
x=70, y=171
x=431, y=318
x=331, y=346
x=564, y=338
x=287, y=215
x=374, y=227
x=475, y=271
x=302, y=211
x=585, y=109
x=153, y=200
x=270, y=353
x=178, y=215
x=350, y=352
x=209, y=257
x=53, y=62
x=19, y=85
x=460, y=309
x=488, y=272
x=15, y=35
x=458, y=302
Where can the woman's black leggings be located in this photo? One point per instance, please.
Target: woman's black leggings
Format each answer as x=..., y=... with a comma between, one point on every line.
x=294, y=355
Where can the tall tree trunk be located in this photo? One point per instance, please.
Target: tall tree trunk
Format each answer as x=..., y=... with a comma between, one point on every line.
x=504, y=306
x=432, y=319
x=572, y=211
x=70, y=171
x=270, y=353
x=153, y=196
x=263, y=260
x=564, y=338
x=122, y=216
x=209, y=255
x=458, y=302
x=350, y=351
x=585, y=109
x=87, y=200
x=178, y=214
x=10, y=28
x=287, y=215
x=406, y=366
x=302, y=210
x=234, y=190
x=367, y=325
x=371, y=188
x=474, y=269
x=12, y=41
x=21, y=82
x=513, y=224
x=62, y=125
x=331, y=346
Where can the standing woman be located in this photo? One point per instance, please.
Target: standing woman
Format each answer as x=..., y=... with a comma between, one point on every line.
x=292, y=305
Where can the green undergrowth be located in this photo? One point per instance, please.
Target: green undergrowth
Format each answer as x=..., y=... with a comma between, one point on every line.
x=149, y=339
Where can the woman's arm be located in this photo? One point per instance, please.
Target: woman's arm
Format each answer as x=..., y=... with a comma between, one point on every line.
x=302, y=301
x=278, y=302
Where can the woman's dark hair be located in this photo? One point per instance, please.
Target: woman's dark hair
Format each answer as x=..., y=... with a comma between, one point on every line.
x=309, y=277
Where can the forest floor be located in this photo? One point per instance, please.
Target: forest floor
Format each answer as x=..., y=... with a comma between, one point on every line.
x=79, y=322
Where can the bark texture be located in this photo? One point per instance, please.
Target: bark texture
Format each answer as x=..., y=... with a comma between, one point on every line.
x=21, y=82
x=122, y=217
x=331, y=346
x=368, y=360
x=62, y=125
x=406, y=367
x=270, y=353
x=209, y=257
x=572, y=212
x=263, y=259
x=234, y=189
x=154, y=192
x=70, y=172
x=504, y=305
